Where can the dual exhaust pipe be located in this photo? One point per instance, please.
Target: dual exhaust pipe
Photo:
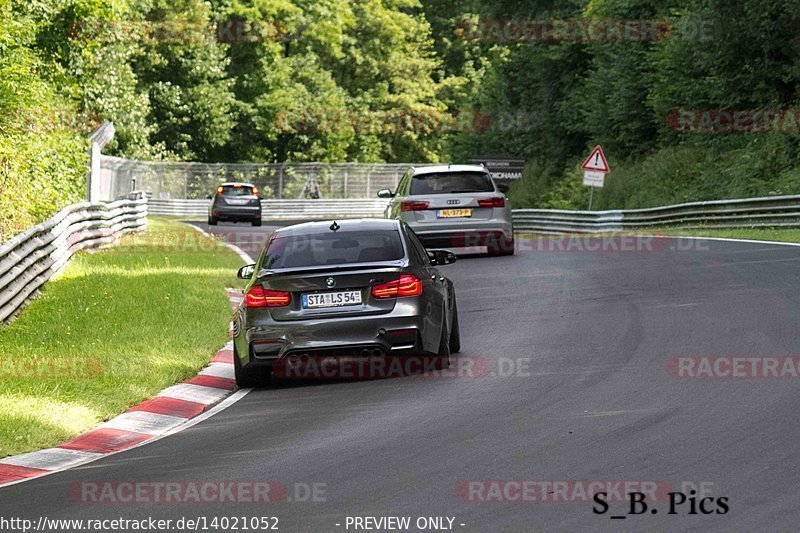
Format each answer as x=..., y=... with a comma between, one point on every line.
x=375, y=352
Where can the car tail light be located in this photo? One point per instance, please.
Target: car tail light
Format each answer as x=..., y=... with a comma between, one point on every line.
x=407, y=285
x=255, y=190
x=414, y=205
x=258, y=296
x=220, y=189
x=495, y=201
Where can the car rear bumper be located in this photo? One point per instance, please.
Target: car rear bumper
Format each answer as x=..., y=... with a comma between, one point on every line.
x=244, y=212
x=463, y=234
x=397, y=333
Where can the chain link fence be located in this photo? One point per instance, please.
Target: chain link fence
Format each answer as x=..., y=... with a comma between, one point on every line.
x=290, y=181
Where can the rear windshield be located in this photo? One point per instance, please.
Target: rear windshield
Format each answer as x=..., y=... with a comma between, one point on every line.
x=333, y=249
x=451, y=182
x=230, y=190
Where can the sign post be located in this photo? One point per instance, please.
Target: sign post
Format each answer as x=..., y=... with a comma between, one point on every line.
x=595, y=169
x=503, y=168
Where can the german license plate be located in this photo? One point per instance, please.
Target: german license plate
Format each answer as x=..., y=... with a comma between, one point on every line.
x=331, y=299
x=237, y=201
x=453, y=213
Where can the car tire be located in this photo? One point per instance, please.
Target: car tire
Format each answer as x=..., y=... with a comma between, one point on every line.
x=249, y=378
x=501, y=246
x=257, y=222
x=455, y=336
x=212, y=221
x=444, y=347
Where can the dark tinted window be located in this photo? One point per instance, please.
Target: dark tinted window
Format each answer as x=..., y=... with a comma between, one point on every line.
x=333, y=249
x=230, y=190
x=451, y=182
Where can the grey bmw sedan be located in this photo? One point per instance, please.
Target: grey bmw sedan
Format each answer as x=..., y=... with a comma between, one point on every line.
x=355, y=288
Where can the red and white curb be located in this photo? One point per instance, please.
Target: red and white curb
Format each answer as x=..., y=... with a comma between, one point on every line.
x=172, y=410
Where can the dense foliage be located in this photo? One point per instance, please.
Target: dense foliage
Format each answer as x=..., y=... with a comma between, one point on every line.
x=708, y=60
x=403, y=81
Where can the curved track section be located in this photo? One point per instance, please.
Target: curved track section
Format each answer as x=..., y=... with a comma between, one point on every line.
x=567, y=377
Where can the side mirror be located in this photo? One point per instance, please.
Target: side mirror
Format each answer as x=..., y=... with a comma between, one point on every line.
x=502, y=187
x=442, y=257
x=209, y=197
x=246, y=272
x=385, y=193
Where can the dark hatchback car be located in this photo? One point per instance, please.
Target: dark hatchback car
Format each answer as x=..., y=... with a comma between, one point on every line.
x=357, y=288
x=235, y=202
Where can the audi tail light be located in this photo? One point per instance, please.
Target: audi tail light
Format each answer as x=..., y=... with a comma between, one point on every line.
x=414, y=205
x=495, y=201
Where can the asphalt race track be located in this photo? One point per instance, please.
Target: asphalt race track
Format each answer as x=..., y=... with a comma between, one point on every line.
x=576, y=348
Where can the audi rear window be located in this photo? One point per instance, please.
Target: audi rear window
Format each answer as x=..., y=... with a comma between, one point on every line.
x=333, y=248
x=451, y=182
x=230, y=190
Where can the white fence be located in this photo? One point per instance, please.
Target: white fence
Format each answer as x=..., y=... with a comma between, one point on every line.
x=281, y=209
x=32, y=257
x=114, y=177
x=772, y=211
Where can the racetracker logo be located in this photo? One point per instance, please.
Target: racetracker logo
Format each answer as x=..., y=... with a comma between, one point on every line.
x=188, y=242
x=565, y=30
x=734, y=367
x=50, y=367
x=382, y=367
x=177, y=32
x=558, y=491
x=38, y=120
x=195, y=491
x=586, y=244
x=730, y=121
x=391, y=122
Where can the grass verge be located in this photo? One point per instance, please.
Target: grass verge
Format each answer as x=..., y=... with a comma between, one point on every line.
x=756, y=234
x=116, y=327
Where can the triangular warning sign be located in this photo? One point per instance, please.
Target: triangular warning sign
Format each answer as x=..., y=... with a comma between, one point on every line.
x=596, y=161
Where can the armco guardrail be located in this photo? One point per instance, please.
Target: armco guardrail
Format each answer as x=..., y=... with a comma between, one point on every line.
x=281, y=209
x=32, y=257
x=771, y=211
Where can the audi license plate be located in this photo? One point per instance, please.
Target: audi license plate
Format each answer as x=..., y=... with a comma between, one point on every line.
x=331, y=299
x=454, y=213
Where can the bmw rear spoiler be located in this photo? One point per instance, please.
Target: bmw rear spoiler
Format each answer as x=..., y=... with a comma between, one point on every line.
x=387, y=265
